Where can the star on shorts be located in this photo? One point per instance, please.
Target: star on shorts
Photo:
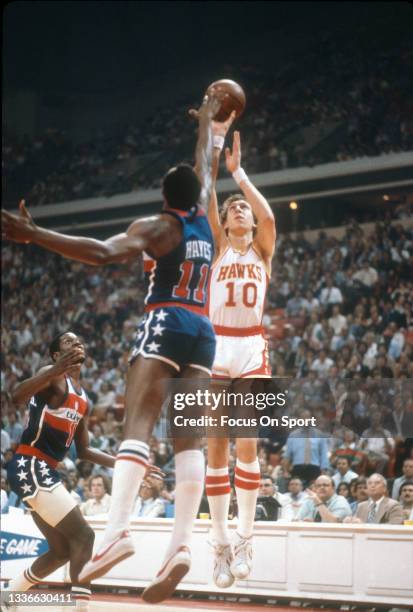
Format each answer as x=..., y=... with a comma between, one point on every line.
x=22, y=462
x=26, y=488
x=161, y=315
x=157, y=330
x=153, y=347
x=22, y=475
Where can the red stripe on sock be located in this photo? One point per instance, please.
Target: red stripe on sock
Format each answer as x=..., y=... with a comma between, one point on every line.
x=135, y=459
x=249, y=475
x=246, y=485
x=217, y=479
x=212, y=491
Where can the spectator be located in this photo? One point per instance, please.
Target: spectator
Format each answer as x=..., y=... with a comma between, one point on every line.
x=343, y=489
x=324, y=505
x=322, y=364
x=110, y=423
x=360, y=493
x=344, y=473
x=268, y=507
x=367, y=276
x=98, y=439
x=378, y=509
x=337, y=321
x=407, y=476
x=5, y=440
x=306, y=452
x=282, y=499
x=377, y=442
x=99, y=500
x=4, y=501
x=106, y=400
x=406, y=499
x=14, y=428
x=396, y=343
x=296, y=498
x=149, y=503
x=330, y=295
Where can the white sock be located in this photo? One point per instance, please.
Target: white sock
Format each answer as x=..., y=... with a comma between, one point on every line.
x=247, y=483
x=218, y=490
x=130, y=468
x=189, y=475
x=24, y=582
x=81, y=596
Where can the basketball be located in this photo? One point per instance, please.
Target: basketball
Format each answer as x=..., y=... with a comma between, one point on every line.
x=232, y=98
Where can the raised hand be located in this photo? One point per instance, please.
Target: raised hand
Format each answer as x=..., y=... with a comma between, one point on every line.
x=233, y=158
x=208, y=109
x=19, y=228
x=220, y=128
x=68, y=360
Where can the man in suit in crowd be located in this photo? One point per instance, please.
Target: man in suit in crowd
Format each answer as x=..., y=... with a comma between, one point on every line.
x=407, y=476
x=378, y=509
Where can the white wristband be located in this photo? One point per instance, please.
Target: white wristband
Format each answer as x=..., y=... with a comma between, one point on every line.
x=239, y=175
x=218, y=141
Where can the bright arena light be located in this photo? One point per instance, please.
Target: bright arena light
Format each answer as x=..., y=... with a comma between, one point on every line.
x=293, y=205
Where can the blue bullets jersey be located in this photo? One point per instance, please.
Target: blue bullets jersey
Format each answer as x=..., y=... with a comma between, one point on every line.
x=50, y=431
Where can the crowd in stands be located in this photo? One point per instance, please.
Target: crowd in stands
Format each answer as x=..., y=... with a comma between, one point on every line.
x=336, y=84
x=339, y=326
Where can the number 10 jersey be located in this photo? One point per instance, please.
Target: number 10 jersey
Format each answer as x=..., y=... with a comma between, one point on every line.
x=237, y=292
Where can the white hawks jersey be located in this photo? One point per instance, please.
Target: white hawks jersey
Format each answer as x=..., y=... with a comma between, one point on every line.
x=237, y=290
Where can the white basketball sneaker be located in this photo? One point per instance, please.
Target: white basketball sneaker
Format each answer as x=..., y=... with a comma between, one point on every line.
x=223, y=558
x=114, y=552
x=168, y=578
x=242, y=564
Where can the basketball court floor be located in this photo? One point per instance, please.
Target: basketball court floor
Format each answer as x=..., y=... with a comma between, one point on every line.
x=111, y=602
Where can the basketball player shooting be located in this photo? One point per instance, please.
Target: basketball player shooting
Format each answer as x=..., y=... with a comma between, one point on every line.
x=244, y=233
x=175, y=339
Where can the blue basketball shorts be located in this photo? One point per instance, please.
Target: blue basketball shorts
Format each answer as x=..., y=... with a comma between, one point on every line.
x=177, y=337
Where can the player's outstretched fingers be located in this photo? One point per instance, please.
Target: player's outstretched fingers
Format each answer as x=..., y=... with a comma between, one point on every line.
x=193, y=113
x=230, y=119
x=23, y=210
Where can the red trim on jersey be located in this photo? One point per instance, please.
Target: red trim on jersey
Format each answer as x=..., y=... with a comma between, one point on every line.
x=32, y=451
x=212, y=491
x=61, y=424
x=221, y=330
x=250, y=486
x=201, y=310
x=148, y=265
x=210, y=480
x=249, y=475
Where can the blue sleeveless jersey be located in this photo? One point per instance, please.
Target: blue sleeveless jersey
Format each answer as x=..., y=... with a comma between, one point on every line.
x=50, y=431
x=181, y=277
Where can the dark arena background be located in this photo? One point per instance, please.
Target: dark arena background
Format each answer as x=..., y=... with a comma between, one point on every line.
x=95, y=111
